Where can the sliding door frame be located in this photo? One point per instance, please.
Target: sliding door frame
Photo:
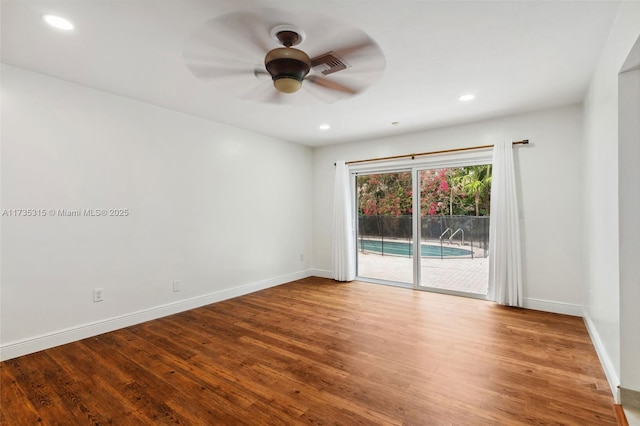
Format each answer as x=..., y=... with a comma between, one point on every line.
x=456, y=159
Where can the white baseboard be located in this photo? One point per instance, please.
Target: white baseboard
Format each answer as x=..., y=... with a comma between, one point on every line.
x=322, y=273
x=529, y=303
x=61, y=337
x=553, y=306
x=603, y=355
x=37, y=343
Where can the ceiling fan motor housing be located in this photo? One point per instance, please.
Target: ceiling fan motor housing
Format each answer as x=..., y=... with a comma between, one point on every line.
x=288, y=66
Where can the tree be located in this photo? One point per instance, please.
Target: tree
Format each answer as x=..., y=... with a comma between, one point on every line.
x=446, y=191
x=435, y=190
x=387, y=194
x=476, y=183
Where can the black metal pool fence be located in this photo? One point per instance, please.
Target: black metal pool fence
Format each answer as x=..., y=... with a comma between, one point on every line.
x=465, y=231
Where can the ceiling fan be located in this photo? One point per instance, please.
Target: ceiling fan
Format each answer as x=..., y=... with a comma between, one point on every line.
x=257, y=44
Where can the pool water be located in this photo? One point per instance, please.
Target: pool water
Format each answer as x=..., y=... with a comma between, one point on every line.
x=401, y=248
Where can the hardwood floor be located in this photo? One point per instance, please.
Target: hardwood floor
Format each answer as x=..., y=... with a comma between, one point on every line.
x=319, y=352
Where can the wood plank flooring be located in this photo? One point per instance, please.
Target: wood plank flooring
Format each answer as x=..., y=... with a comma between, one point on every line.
x=324, y=353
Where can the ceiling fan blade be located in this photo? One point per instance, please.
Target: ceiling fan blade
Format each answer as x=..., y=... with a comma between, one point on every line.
x=264, y=92
x=330, y=84
x=354, y=58
x=355, y=48
x=261, y=73
x=208, y=67
x=206, y=58
x=243, y=35
x=251, y=28
x=208, y=72
x=276, y=97
x=345, y=42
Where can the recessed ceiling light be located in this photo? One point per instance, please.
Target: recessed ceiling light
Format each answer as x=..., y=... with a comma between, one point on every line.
x=324, y=127
x=58, y=22
x=466, y=97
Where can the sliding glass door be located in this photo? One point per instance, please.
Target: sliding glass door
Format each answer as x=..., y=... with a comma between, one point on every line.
x=385, y=227
x=426, y=228
x=454, y=228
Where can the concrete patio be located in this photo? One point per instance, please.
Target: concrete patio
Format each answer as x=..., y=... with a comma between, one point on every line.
x=464, y=275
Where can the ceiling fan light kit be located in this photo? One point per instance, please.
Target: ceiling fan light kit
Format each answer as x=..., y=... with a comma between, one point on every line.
x=288, y=66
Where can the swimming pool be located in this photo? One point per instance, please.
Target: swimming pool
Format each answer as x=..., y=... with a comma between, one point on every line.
x=401, y=248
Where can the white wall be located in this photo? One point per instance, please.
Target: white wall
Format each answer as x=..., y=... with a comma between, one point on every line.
x=601, y=190
x=629, y=218
x=550, y=186
x=213, y=206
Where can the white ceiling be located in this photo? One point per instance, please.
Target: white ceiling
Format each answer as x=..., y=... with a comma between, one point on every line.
x=515, y=56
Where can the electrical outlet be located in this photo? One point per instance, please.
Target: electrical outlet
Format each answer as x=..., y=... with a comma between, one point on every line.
x=97, y=295
x=177, y=286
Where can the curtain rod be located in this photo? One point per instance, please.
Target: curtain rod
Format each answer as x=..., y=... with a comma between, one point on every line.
x=444, y=151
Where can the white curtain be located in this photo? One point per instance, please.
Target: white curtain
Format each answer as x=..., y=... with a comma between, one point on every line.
x=505, y=265
x=343, y=260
